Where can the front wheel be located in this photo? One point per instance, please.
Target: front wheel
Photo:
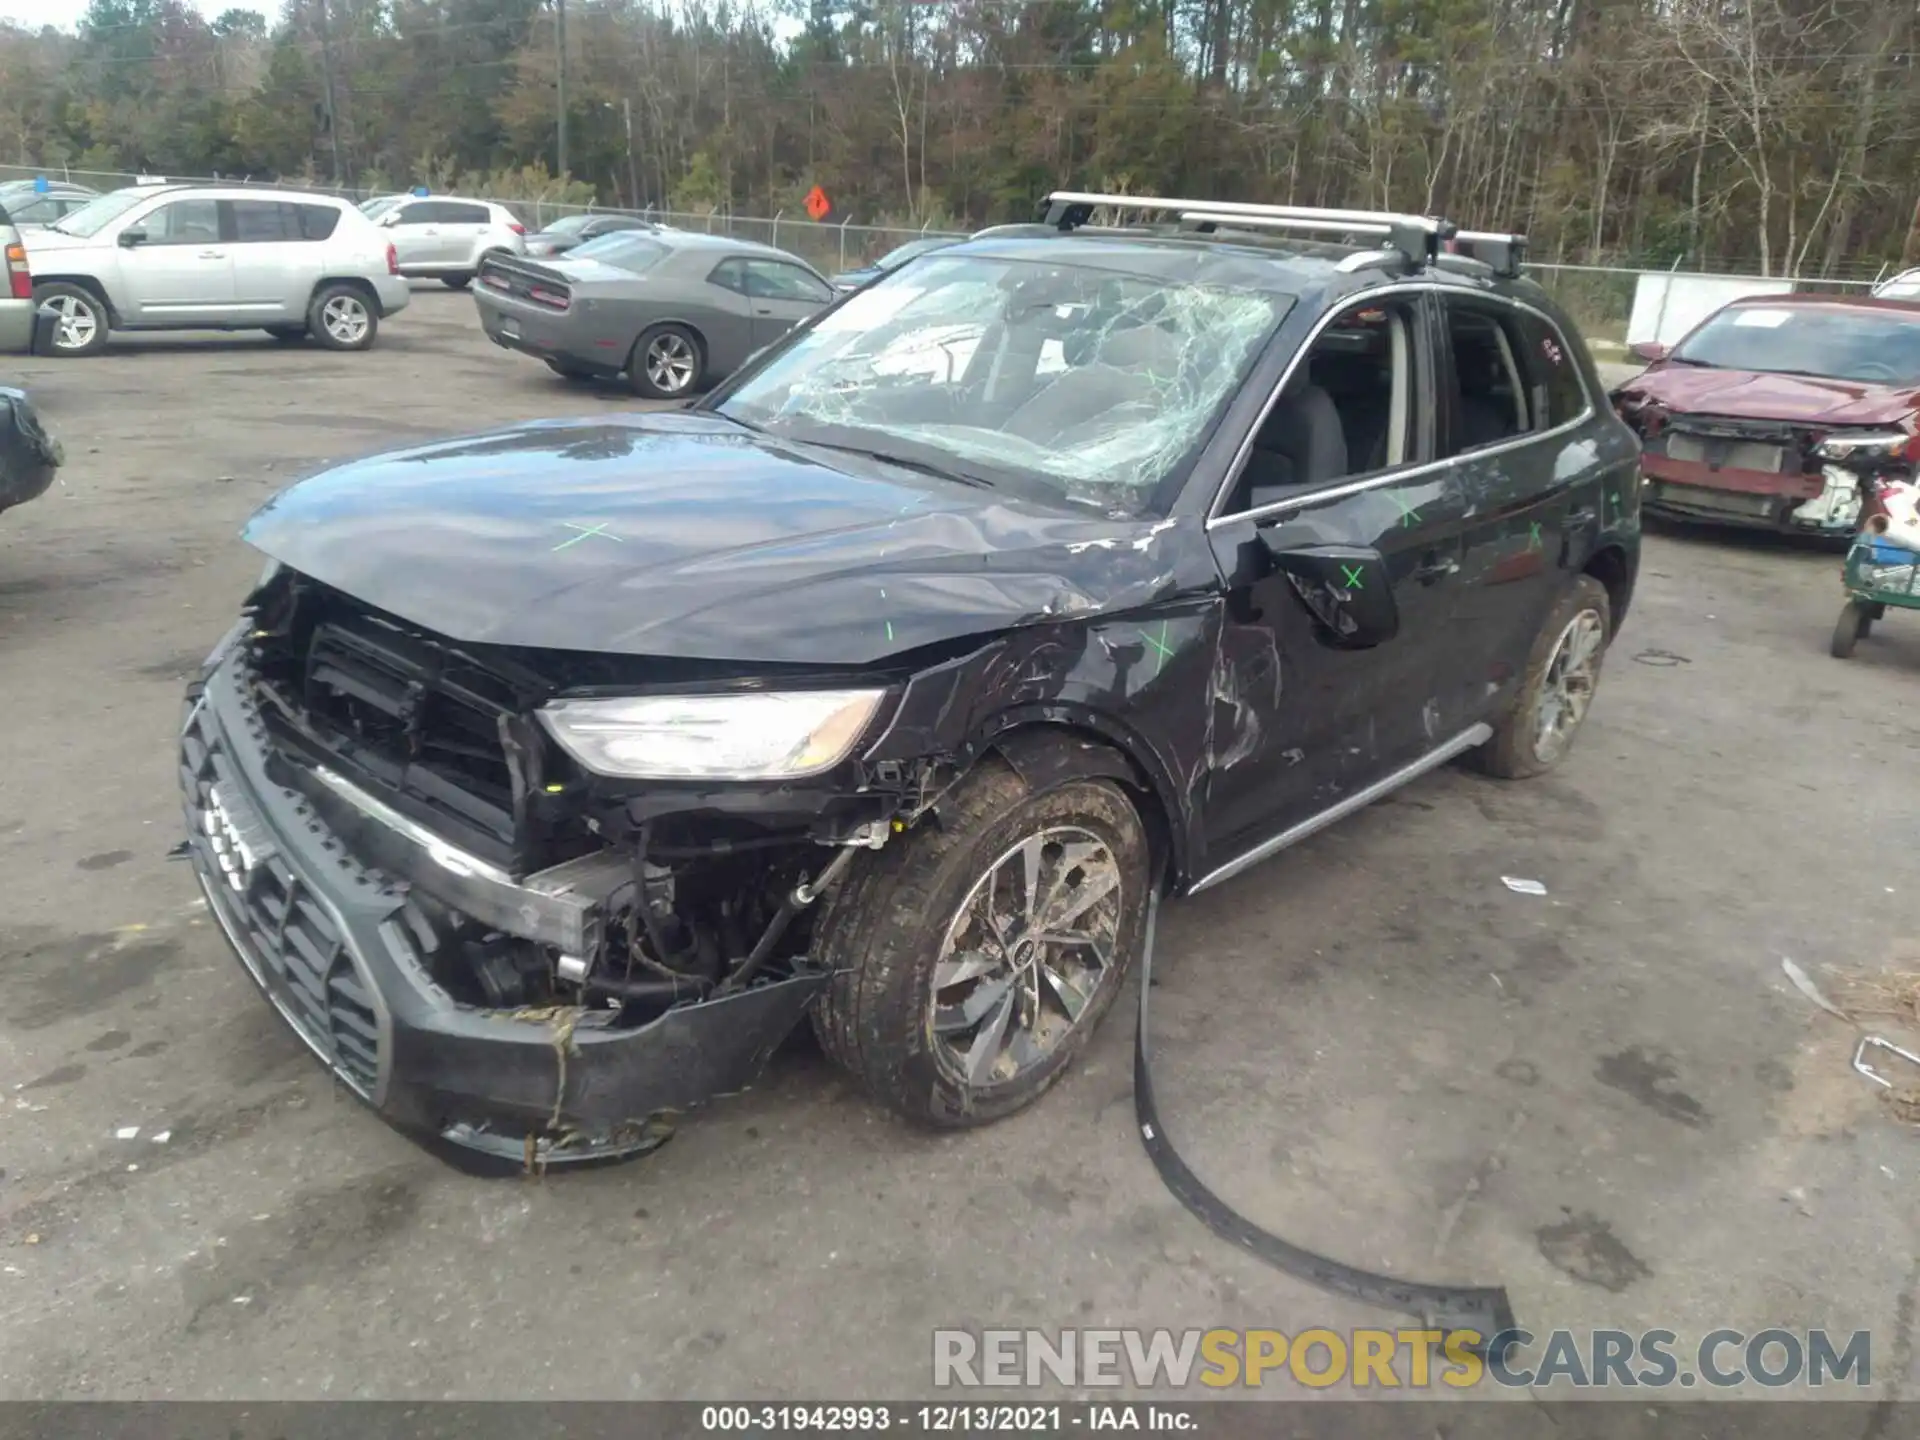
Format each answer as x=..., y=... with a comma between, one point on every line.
x=341, y=317
x=82, y=326
x=975, y=955
x=666, y=363
x=1537, y=729
x=1852, y=624
x=456, y=282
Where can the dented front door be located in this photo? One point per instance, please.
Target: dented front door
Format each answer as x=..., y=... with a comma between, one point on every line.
x=1338, y=601
x=1304, y=715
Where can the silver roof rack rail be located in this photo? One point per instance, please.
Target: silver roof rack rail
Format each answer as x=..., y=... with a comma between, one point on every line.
x=1420, y=239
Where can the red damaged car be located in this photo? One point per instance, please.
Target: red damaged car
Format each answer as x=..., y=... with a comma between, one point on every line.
x=1780, y=412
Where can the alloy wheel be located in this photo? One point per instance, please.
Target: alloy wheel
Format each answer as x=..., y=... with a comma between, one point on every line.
x=1025, y=955
x=79, y=322
x=1566, y=689
x=671, y=363
x=345, y=318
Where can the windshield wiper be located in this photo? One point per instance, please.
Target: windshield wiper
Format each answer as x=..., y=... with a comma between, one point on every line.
x=906, y=462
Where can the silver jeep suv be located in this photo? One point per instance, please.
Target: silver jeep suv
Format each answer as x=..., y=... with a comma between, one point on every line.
x=207, y=257
x=446, y=237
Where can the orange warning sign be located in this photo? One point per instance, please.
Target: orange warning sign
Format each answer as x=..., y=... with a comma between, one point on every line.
x=817, y=203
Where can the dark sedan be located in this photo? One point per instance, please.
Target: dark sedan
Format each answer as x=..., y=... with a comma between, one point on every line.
x=571, y=231
x=853, y=279
x=671, y=310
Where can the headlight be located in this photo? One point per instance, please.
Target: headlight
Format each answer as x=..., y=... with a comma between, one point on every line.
x=1880, y=445
x=753, y=736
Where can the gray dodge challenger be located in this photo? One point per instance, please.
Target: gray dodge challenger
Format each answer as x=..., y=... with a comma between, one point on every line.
x=672, y=310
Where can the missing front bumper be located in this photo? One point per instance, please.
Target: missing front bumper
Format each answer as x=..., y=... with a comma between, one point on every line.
x=334, y=944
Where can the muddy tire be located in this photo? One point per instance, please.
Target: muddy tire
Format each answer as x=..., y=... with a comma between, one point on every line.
x=1542, y=720
x=1853, y=623
x=909, y=924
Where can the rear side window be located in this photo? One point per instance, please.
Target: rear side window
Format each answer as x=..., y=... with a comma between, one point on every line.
x=730, y=275
x=313, y=222
x=457, y=214
x=1495, y=397
x=1560, y=391
x=257, y=222
x=260, y=222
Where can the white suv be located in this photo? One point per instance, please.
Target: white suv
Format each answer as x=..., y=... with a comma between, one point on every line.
x=203, y=257
x=444, y=237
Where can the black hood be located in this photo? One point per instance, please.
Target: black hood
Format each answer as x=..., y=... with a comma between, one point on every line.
x=684, y=535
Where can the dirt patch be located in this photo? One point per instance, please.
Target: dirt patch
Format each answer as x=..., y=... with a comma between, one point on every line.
x=58, y=976
x=1648, y=1076
x=1585, y=1247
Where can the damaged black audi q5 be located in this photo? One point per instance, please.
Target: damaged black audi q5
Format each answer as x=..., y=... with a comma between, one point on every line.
x=552, y=776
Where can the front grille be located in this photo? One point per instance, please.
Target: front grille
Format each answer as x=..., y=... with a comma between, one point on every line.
x=412, y=720
x=1727, y=454
x=1722, y=502
x=288, y=939
x=1769, y=447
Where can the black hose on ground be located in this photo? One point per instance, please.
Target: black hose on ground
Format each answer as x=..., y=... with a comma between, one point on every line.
x=1480, y=1315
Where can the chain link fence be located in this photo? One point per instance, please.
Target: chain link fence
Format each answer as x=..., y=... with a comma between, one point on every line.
x=1599, y=297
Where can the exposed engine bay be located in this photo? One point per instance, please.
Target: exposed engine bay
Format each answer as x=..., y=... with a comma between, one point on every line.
x=547, y=885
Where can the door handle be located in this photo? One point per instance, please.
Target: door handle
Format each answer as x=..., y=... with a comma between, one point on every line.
x=762, y=312
x=213, y=254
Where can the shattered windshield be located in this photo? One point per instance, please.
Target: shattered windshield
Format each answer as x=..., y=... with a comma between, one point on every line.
x=1090, y=385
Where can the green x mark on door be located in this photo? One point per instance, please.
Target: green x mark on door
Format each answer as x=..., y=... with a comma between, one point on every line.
x=1533, y=537
x=587, y=532
x=1162, y=652
x=1353, y=575
x=1409, y=515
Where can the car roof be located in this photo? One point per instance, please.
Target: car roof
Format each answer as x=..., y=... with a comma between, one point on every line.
x=8, y=187
x=1313, y=273
x=243, y=192
x=457, y=199
x=1815, y=300
x=700, y=240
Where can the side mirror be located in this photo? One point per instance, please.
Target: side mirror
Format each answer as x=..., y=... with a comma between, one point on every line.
x=1345, y=587
x=130, y=238
x=1649, y=350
